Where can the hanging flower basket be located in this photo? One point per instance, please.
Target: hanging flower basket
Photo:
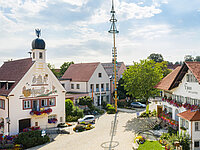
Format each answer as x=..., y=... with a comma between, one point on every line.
x=53, y=120
x=38, y=113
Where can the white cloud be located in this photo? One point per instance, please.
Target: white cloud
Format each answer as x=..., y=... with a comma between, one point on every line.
x=76, y=2
x=132, y=10
x=150, y=31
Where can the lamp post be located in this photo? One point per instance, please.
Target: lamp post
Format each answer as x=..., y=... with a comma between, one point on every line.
x=113, y=30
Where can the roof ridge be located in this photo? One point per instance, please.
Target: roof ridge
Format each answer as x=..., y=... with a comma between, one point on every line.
x=9, y=61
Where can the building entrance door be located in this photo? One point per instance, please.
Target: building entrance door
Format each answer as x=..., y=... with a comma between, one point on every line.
x=24, y=123
x=159, y=110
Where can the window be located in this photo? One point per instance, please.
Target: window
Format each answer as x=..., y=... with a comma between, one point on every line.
x=27, y=104
x=196, y=143
x=191, y=78
x=72, y=86
x=197, y=126
x=78, y=86
x=186, y=124
x=97, y=87
x=33, y=55
x=91, y=87
x=107, y=86
x=61, y=119
x=102, y=87
x=40, y=55
x=44, y=102
x=36, y=123
x=63, y=85
x=99, y=75
x=52, y=102
x=52, y=116
x=2, y=104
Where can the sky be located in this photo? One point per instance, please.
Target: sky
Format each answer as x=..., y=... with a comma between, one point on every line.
x=77, y=30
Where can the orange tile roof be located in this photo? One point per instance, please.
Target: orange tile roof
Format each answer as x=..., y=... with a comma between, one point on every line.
x=190, y=115
x=166, y=82
x=194, y=68
x=80, y=72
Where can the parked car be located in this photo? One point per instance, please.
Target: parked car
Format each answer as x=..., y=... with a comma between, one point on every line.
x=87, y=119
x=138, y=104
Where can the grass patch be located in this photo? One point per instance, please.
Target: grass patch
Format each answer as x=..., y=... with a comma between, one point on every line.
x=150, y=145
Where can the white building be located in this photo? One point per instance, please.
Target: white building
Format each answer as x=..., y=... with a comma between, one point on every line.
x=30, y=94
x=87, y=79
x=181, y=95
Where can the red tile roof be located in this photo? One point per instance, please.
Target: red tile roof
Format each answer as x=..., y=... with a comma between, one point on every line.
x=166, y=82
x=190, y=115
x=194, y=68
x=14, y=71
x=80, y=72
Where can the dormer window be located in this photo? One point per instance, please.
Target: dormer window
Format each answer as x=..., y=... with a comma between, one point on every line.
x=40, y=55
x=100, y=75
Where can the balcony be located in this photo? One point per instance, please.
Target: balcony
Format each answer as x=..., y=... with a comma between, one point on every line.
x=166, y=117
x=180, y=104
x=40, y=111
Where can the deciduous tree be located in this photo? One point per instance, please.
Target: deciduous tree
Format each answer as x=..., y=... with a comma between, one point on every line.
x=156, y=57
x=64, y=67
x=140, y=79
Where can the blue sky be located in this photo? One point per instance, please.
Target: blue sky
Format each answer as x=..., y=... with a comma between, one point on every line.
x=77, y=30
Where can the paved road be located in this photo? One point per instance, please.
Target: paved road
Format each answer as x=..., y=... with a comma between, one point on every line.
x=92, y=139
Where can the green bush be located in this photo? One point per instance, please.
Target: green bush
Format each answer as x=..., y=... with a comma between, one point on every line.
x=79, y=128
x=77, y=112
x=108, y=105
x=72, y=118
x=31, y=139
x=172, y=131
x=122, y=104
x=111, y=110
x=68, y=107
x=154, y=113
x=104, y=104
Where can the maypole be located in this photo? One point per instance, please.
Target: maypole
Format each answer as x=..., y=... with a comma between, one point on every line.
x=113, y=30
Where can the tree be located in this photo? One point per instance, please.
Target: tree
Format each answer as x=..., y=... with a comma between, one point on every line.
x=86, y=100
x=140, y=79
x=163, y=66
x=64, y=67
x=156, y=57
x=188, y=58
x=52, y=68
x=68, y=107
x=120, y=89
x=197, y=58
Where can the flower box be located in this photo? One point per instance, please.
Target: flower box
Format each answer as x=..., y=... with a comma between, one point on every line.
x=42, y=111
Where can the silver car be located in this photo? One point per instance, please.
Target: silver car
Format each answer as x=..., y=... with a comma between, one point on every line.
x=87, y=119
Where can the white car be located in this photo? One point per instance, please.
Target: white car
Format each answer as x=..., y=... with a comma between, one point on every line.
x=138, y=104
x=87, y=119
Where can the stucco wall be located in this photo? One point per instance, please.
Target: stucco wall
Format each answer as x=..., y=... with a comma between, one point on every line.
x=16, y=102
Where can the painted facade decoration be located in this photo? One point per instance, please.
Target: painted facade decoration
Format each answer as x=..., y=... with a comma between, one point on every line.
x=36, y=100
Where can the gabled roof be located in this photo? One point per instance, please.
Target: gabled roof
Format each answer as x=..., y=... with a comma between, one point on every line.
x=109, y=67
x=14, y=71
x=190, y=115
x=167, y=81
x=175, y=77
x=80, y=72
